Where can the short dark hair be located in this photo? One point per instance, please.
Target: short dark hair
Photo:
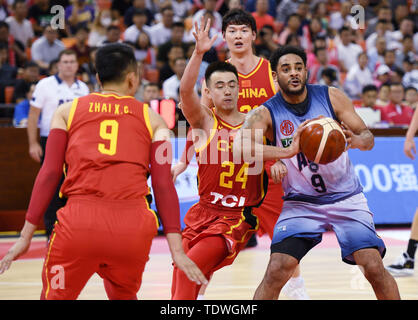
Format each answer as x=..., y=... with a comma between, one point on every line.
x=139, y=12
x=275, y=57
x=219, y=66
x=31, y=64
x=4, y=24
x=396, y=84
x=151, y=84
x=114, y=61
x=178, y=24
x=68, y=52
x=368, y=88
x=238, y=17
x=411, y=88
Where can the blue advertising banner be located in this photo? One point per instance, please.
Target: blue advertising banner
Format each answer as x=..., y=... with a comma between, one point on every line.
x=388, y=177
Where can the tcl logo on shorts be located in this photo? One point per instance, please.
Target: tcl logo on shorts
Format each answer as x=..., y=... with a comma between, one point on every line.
x=229, y=201
x=287, y=127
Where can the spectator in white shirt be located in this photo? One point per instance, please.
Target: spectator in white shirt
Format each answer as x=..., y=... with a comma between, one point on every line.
x=347, y=50
x=161, y=32
x=383, y=28
x=20, y=27
x=358, y=77
x=209, y=5
x=340, y=18
x=171, y=85
x=139, y=19
x=376, y=54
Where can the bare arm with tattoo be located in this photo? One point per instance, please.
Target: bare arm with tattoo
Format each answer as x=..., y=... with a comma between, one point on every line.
x=249, y=140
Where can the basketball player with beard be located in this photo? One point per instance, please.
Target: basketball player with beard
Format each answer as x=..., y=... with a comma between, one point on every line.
x=317, y=197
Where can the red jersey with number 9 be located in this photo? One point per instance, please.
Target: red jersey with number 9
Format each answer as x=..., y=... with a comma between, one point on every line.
x=109, y=142
x=223, y=183
x=256, y=87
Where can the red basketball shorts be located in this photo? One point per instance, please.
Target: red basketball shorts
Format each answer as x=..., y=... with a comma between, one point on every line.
x=112, y=238
x=236, y=227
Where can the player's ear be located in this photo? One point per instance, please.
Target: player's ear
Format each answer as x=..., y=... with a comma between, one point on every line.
x=98, y=80
x=274, y=75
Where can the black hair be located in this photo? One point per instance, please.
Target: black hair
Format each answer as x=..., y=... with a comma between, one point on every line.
x=139, y=12
x=4, y=24
x=275, y=57
x=330, y=73
x=369, y=87
x=114, y=61
x=178, y=24
x=344, y=28
x=219, y=66
x=411, y=88
x=31, y=64
x=238, y=17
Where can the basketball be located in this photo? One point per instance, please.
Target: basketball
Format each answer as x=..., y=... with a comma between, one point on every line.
x=322, y=141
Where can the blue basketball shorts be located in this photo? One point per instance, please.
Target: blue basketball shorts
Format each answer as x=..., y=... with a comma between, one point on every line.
x=350, y=219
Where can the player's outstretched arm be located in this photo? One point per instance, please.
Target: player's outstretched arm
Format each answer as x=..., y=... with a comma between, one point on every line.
x=194, y=112
x=45, y=185
x=166, y=197
x=409, y=145
x=356, y=132
x=249, y=139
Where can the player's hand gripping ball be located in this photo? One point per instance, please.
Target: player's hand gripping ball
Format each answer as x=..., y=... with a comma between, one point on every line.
x=322, y=141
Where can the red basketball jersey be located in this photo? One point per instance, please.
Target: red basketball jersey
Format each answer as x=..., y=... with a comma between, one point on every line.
x=224, y=184
x=108, y=151
x=256, y=87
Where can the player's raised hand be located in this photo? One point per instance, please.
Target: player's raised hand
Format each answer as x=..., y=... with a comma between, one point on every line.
x=409, y=148
x=201, y=34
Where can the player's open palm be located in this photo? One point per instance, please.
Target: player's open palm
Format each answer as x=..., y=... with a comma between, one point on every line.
x=409, y=148
x=201, y=34
x=192, y=271
x=19, y=248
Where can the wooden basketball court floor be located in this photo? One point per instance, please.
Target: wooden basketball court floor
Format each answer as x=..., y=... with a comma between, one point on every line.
x=326, y=276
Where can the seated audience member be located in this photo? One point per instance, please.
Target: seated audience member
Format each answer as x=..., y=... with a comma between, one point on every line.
x=141, y=5
x=411, y=97
x=293, y=25
x=139, y=25
x=376, y=54
x=7, y=72
x=383, y=74
x=98, y=28
x=151, y=92
x=266, y=45
x=112, y=35
x=40, y=16
x=46, y=48
x=383, y=96
x=209, y=5
x=177, y=36
x=144, y=51
x=321, y=63
x=347, y=50
x=395, y=113
x=410, y=79
x=182, y=9
x=329, y=78
x=171, y=85
x=357, y=77
x=161, y=32
x=167, y=69
x=139, y=95
x=16, y=55
x=261, y=15
x=78, y=14
x=29, y=77
x=368, y=111
x=81, y=48
x=20, y=27
x=21, y=112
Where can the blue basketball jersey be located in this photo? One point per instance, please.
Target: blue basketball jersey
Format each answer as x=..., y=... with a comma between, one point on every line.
x=308, y=181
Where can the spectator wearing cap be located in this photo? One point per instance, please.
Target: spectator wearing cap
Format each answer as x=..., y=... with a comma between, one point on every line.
x=161, y=32
x=347, y=50
x=397, y=113
x=358, y=77
x=128, y=18
x=382, y=75
x=139, y=19
x=47, y=48
x=29, y=77
x=368, y=111
x=20, y=27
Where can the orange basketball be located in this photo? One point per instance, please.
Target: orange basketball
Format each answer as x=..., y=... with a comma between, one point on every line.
x=322, y=141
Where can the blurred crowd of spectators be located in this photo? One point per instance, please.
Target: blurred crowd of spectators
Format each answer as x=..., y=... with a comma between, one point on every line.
x=374, y=62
